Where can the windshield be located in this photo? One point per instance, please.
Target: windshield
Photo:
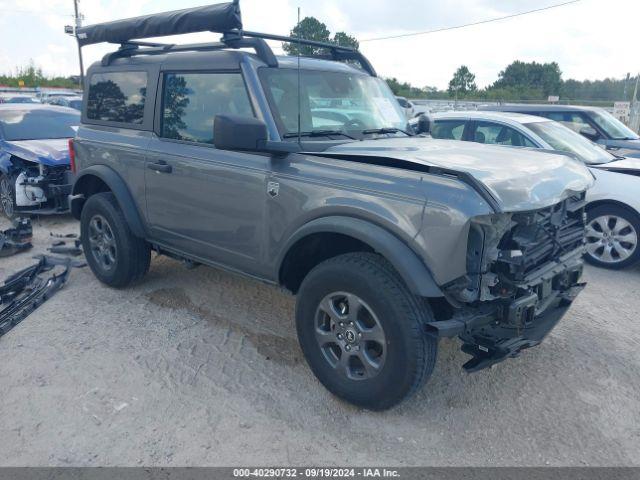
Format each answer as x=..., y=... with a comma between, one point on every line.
x=566, y=140
x=613, y=127
x=38, y=124
x=334, y=101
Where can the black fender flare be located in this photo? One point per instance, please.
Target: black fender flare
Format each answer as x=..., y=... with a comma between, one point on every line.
x=410, y=267
x=119, y=189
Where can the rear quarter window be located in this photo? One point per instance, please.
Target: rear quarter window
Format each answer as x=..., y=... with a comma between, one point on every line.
x=117, y=97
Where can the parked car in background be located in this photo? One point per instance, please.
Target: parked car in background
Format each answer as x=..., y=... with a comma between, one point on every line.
x=46, y=96
x=594, y=123
x=35, y=174
x=71, y=102
x=17, y=98
x=407, y=107
x=613, y=206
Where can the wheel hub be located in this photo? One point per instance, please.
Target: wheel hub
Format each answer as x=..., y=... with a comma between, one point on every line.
x=611, y=239
x=350, y=336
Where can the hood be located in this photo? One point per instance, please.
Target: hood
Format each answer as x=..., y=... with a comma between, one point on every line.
x=630, y=166
x=47, y=152
x=518, y=178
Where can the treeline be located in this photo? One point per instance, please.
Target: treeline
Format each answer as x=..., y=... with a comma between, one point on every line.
x=32, y=77
x=522, y=81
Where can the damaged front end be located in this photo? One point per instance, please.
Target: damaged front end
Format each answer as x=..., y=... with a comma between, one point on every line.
x=41, y=189
x=524, y=271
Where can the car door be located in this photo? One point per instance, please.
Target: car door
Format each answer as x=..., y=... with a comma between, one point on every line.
x=207, y=203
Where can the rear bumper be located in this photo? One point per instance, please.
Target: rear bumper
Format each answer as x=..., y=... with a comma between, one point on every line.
x=495, y=331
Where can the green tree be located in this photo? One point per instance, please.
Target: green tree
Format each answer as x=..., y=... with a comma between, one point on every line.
x=462, y=83
x=345, y=40
x=309, y=28
x=545, y=77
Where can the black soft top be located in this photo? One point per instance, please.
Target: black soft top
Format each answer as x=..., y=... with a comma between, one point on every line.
x=221, y=17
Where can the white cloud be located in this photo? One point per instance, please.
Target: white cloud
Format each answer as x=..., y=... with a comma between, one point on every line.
x=590, y=39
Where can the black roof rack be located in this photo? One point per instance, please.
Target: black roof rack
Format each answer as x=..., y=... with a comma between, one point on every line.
x=224, y=18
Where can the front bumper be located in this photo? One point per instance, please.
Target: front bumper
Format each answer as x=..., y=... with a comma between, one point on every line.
x=494, y=331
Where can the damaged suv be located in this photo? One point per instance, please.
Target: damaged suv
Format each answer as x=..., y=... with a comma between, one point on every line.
x=301, y=172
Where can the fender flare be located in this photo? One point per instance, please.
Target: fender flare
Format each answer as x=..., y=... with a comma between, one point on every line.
x=410, y=267
x=119, y=189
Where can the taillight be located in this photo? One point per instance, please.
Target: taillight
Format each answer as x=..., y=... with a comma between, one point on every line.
x=72, y=156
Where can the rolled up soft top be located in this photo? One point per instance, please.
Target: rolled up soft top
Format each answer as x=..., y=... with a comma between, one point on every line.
x=221, y=18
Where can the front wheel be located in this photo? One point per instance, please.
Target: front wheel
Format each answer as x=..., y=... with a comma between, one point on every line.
x=362, y=331
x=116, y=256
x=7, y=196
x=612, y=237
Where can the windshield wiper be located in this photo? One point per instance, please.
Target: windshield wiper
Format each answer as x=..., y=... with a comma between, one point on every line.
x=382, y=131
x=318, y=133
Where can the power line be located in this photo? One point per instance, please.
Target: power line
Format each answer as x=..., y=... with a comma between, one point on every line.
x=497, y=19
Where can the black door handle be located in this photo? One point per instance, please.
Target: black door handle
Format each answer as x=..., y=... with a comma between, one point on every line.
x=160, y=167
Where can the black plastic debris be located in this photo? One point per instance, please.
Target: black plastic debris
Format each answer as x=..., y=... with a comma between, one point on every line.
x=24, y=291
x=16, y=239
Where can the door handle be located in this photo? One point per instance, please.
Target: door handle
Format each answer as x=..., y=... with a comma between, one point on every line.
x=160, y=167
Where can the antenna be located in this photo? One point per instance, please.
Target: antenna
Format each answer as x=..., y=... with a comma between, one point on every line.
x=299, y=89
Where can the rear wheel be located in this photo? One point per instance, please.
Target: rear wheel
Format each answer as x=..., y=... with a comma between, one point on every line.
x=116, y=256
x=613, y=233
x=362, y=331
x=7, y=196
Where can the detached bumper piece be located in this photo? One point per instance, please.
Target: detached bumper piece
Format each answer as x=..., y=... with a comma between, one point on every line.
x=16, y=239
x=24, y=291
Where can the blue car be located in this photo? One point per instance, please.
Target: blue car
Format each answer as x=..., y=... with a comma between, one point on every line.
x=35, y=171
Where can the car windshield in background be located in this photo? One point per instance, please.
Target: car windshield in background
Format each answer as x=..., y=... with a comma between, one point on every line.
x=566, y=140
x=331, y=101
x=612, y=126
x=38, y=124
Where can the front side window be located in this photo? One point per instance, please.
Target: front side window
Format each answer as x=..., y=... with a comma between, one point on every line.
x=448, y=129
x=117, y=97
x=496, y=134
x=338, y=101
x=566, y=140
x=614, y=128
x=192, y=100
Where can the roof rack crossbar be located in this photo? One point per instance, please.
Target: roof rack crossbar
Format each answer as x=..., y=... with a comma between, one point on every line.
x=132, y=49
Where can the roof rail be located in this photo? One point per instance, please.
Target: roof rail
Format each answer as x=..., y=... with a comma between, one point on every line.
x=224, y=18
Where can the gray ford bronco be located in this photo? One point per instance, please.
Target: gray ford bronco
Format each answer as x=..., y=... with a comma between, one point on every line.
x=302, y=173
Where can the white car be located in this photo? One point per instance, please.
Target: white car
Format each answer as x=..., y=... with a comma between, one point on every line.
x=613, y=203
x=407, y=107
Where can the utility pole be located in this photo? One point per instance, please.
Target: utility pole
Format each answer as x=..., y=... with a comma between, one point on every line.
x=78, y=24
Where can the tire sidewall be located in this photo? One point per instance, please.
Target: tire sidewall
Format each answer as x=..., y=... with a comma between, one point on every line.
x=628, y=215
x=100, y=205
x=396, y=378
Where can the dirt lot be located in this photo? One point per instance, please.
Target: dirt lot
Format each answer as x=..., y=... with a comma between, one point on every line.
x=202, y=367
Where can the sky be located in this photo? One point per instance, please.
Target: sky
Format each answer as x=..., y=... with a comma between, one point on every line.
x=590, y=39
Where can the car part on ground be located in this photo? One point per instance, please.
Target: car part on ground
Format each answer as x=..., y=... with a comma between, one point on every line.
x=24, y=291
x=389, y=243
x=16, y=239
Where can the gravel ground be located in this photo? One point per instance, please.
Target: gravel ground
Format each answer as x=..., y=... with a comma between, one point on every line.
x=201, y=367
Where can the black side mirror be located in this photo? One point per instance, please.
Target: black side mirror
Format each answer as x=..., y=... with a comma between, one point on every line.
x=231, y=132
x=590, y=133
x=247, y=134
x=424, y=125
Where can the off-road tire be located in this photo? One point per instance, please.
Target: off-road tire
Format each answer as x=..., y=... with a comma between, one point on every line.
x=411, y=353
x=8, y=182
x=133, y=253
x=628, y=215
